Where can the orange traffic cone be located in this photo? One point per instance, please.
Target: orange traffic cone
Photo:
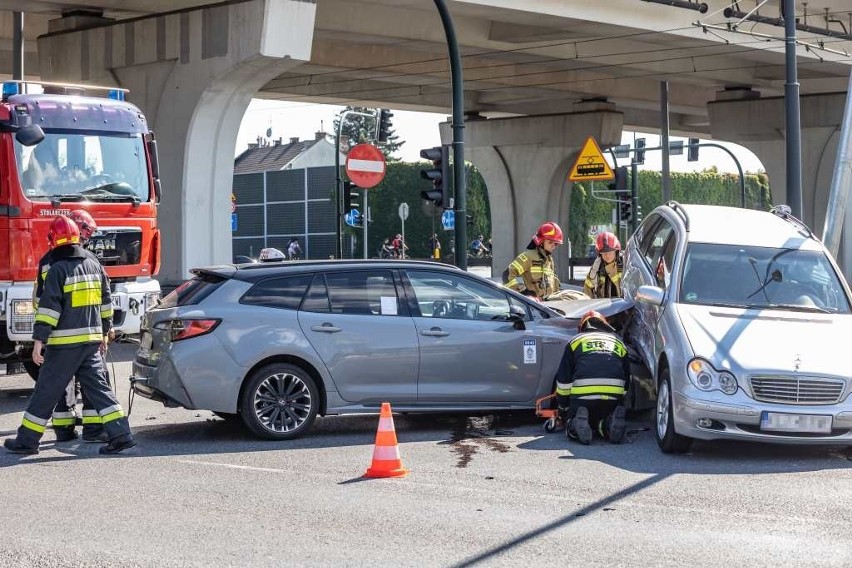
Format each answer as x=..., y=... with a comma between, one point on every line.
x=386, y=460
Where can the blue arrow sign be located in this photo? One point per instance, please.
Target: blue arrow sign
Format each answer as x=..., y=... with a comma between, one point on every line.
x=352, y=218
x=448, y=219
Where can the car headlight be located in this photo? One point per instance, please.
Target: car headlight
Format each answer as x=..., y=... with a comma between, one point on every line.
x=704, y=377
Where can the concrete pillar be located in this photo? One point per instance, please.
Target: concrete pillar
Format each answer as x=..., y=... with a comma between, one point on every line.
x=193, y=74
x=758, y=124
x=525, y=163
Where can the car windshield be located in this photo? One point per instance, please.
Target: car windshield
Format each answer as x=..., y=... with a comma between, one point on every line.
x=761, y=277
x=73, y=166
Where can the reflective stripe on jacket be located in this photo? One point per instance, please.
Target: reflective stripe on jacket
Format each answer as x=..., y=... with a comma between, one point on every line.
x=595, y=365
x=75, y=306
x=533, y=272
x=604, y=283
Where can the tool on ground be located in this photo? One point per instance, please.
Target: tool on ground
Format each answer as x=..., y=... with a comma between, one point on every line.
x=547, y=407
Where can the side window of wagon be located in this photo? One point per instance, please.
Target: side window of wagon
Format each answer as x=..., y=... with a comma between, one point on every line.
x=285, y=293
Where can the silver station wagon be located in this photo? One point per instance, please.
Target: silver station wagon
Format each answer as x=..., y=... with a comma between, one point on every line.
x=743, y=319
x=279, y=343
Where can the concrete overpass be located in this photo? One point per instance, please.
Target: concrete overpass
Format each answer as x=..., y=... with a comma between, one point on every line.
x=540, y=77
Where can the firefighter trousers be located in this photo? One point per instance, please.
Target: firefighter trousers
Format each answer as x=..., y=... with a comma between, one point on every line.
x=65, y=418
x=60, y=365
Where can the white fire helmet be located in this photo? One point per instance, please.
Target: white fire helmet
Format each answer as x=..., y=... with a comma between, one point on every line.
x=271, y=255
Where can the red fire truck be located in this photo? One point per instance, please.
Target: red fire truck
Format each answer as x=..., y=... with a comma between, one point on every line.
x=63, y=149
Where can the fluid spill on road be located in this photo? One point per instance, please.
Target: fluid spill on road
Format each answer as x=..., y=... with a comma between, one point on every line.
x=474, y=433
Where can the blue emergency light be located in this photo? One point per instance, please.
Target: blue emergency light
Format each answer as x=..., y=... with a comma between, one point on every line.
x=11, y=88
x=116, y=94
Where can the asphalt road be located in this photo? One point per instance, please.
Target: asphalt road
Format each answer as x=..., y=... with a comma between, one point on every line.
x=200, y=491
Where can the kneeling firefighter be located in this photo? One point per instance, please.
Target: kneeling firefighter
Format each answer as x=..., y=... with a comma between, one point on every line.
x=591, y=382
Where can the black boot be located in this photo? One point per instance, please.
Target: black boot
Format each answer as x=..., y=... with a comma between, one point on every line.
x=616, y=426
x=578, y=427
x=117, y=445
x=14, y=446
x=65, y=434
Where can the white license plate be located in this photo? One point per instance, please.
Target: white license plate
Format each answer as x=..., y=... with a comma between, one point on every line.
x=805, y=423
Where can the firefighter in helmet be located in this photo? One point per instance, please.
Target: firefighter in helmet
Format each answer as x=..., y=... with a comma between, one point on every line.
x=64, y=416
x=73, y=320
x=604, y=278
x=592, y=381
x=533, y=272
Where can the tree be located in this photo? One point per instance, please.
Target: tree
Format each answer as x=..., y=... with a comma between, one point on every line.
x=360, y=129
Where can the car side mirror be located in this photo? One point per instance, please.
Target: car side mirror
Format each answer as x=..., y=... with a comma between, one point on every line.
x=650, y=295
x=517, y=315
x=29, y=135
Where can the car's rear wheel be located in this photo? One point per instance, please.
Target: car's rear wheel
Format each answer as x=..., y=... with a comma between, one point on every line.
x=280, y=402
x=668, y=440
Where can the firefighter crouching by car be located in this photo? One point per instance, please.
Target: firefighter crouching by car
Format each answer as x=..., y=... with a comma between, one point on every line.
x=64, y=418
x=533, y=273
x=73, y=319
x=592, y=380
x=604, y=277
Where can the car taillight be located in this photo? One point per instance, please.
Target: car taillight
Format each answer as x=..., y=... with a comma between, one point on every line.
x=179, y=329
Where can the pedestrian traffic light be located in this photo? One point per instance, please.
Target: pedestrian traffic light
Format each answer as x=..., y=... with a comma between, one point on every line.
x=640, y=151
x=439, y=175
x=383, y=125
x=692, y=150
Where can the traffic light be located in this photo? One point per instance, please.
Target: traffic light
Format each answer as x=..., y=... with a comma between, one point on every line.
x=383, y=125
x=620, y=182
x=692, y=150
x=640, y=151
x=439, y=175
x=351, y=200
x=625, y=209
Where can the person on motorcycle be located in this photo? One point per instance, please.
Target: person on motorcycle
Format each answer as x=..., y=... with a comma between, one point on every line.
x=604, y=277
x=592, y=381
x=533, y=272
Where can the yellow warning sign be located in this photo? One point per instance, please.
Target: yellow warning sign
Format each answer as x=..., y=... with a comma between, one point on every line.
x=590, y=164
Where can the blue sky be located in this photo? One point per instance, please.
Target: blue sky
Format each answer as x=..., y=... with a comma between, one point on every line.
x=420, y=130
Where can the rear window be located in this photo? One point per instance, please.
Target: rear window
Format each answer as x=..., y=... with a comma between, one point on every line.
x=284, y=293
x=192, y=291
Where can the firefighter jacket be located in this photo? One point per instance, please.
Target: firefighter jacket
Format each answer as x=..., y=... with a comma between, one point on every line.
x=43, y=267
x=75, y=306
x=533, y=273
x=595, y=366
x=604, y=280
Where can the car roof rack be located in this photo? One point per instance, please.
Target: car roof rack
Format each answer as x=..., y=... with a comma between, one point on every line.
x=786, y=213
x=678, y=208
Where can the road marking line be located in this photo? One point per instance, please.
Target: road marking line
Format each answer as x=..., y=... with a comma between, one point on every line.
x=235, y=466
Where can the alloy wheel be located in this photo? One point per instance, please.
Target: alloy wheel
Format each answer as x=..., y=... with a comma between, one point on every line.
x=663, y=409
x=282, y=402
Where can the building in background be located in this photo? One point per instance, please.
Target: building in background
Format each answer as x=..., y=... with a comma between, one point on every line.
x=282, y=191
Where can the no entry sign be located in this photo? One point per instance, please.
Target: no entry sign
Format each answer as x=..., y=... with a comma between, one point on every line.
x=365, y=165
